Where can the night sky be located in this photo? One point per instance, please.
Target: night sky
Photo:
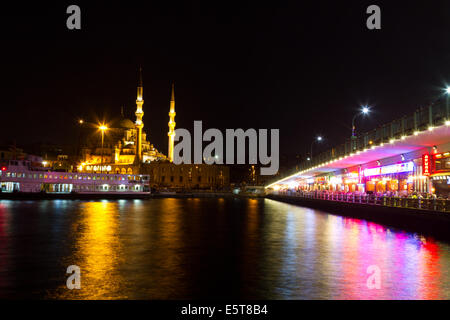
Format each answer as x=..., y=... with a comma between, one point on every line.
x=302, y=67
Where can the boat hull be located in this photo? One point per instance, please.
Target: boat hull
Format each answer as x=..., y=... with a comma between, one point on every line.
x=70, y=196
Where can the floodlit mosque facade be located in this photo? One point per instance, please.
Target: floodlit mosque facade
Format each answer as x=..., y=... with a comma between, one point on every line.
x=126, y=146
x=127, y=150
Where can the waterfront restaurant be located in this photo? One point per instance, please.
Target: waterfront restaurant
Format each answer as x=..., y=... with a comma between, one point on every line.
x=401, y=175
x=406, y=156
x=390, y=178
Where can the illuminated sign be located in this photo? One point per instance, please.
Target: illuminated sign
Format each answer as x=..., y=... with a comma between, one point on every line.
x=351, y=180
x=352, y=175
x=372, y=172
x=397, y=168
x=391, y=169
x=98, y=168
x=426, y=165
x=336, y=180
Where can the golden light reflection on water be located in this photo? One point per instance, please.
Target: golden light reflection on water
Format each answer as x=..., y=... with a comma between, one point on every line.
x=164, y=249
x=171, y=242
x=98, y=253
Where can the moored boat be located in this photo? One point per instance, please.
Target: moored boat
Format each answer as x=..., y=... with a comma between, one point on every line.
x=18, y=177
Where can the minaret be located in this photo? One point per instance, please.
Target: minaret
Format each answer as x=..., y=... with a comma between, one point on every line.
x=172, y=124
x=139, y=114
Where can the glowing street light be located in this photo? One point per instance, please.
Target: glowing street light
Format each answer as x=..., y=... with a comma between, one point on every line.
x=318, y=139
x=102, y=128
x=365, y=110
x=447, y=90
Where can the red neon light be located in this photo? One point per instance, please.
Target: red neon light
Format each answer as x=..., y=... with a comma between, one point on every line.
x=3, y=168
x=426, y=165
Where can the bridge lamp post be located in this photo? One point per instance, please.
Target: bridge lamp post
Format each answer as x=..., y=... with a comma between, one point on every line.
x=318, y=139
x=447, y=120
x=102, y=128
x=365, y=110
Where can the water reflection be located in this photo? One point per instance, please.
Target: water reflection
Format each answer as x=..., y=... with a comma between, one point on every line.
x=335, y=252
x=4, y=246
x=98, y=251
x=210, y=248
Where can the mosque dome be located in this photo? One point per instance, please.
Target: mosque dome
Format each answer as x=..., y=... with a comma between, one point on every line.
x=126, y=124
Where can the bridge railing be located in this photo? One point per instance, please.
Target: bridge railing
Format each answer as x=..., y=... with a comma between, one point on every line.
x=422, y=119
x=442, y=205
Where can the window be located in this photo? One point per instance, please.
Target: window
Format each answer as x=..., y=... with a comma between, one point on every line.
x=442, y=164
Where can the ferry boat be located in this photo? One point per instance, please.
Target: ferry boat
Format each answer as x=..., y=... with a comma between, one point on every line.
x=19, y=177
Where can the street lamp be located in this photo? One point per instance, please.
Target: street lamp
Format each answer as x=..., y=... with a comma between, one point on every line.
x=447, y=92
x=80, y=133
x=365, y=110
x=318, y=139
x=102, y=128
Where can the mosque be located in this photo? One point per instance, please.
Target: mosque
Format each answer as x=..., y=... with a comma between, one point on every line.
x=126, y=146
x=125, y=149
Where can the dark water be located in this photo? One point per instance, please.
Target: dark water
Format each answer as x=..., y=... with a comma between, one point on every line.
x=209, y=248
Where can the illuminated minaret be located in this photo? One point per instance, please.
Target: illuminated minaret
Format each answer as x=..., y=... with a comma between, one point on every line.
x=172, y=124
x=139, y=114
